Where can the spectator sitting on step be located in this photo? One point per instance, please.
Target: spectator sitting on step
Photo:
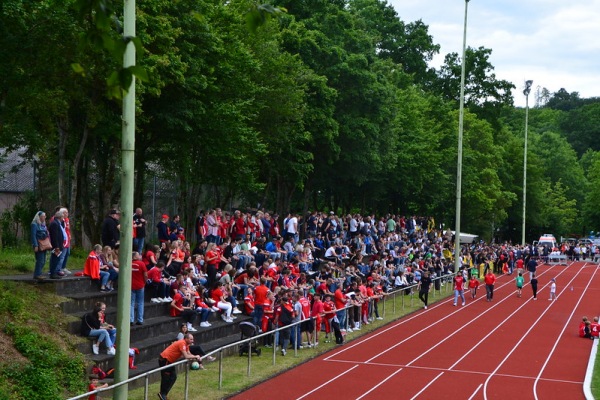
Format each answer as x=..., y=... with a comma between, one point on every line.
x=183, y=306
x=110, y=264
x=91, y=326
x=92, y=268
x=158, y=284
x=219, y=297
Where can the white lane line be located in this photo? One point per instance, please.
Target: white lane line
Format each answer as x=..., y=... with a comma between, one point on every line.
x=328, y=382
x=533, y=324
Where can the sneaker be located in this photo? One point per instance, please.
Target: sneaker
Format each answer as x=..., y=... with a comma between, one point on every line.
x=229, y=320
x=454, y=304
x=168, y=299
x=283, y=352
x=210, y=358
x=66, y=271
x=224, y=317
x=192, y=329
x=236, y=311
x=379, y=318
x=95, y=348
x=60, y=273
x=215, y=309
x=349, y=330
x=39, y=277
x=154, y=300
x=111, y=351
x=55, y=276
x=356, y=328
x=464, y=302
x=204, y=324
x=425, y=307
x=535, y=298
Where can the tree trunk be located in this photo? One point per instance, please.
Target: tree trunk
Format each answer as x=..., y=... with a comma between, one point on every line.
x=73, y=208
x=62, y=126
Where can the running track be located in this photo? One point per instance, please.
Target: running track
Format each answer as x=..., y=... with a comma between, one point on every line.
x=508, y=348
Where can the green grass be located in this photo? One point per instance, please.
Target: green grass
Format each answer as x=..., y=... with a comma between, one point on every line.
x=596, y=377
x=21, y=260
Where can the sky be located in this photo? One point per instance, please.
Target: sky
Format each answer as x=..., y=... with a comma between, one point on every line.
x=554, y=43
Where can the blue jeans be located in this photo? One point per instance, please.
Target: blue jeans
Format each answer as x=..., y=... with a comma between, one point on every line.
x=258, y=314
x=341, y=315
x=458, y=293
x=54, y=264
x=103, y=336
x=138, y=245
x=40, y=261
x=204, y=313
x=64, y=256
x=137, y=301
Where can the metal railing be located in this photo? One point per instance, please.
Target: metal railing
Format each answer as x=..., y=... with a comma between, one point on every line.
x=440, y=284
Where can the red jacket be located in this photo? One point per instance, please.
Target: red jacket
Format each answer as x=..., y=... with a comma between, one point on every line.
x=490, y=279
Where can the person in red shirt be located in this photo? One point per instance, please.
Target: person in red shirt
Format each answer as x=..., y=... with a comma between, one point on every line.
x=249, y=302
x=582, y=327
x=317, y=313
x=490, y=280
x=340, y=301
x=260, y=299
x=94, y=384
x=183, y=306
x=139, y=276
x=308, y=324
x=459, y=288
x=238, y=226
x=595, y=327
x=284, y=315
x=158, y=284
x=219, y=297
x=473, y=285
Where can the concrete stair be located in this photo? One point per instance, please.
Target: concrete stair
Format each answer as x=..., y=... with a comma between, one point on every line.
x=157, y=332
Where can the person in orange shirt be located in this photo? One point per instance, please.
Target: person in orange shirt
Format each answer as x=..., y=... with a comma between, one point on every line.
x=171, y=354
x=490, y=280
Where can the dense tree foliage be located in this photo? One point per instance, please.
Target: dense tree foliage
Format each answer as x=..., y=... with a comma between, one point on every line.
x=331, y=104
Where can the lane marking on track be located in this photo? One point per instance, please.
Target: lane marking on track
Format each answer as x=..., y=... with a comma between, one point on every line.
x=560, y=336
x=476, y=391
x=328, y=382
x=379, y=384
x=534, y=324
x=417, y=315
x=461, y=371
x=426, y=386
x=455, y=332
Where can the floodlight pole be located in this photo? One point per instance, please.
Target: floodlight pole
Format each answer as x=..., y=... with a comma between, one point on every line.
x=461, y=113
x=526, y=93
x=126, y=221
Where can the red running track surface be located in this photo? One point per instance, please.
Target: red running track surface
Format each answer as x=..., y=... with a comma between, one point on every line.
x=510, y=348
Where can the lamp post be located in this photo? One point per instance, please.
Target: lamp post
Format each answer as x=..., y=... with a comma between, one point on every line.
x=526, y=92
x=461, y=113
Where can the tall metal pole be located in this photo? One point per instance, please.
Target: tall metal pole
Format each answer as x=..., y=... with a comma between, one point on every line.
x=461, y=114
x=526, y=93
x=127, y=161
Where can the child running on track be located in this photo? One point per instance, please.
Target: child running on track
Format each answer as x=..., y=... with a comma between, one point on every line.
x=552, y=289
x=473, y=285
x=534, y=283
x=519, y=280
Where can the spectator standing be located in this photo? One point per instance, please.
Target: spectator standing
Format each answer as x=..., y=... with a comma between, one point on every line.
x=163, y=229
x=490, y=280
x=67, y=243
x=110, y=229
x=139, y=224
x=139, y=275
x=39, y=231
x=58, y=236
x=284, y=315
x=459, y=288
x=170, y=355
x=260, y=299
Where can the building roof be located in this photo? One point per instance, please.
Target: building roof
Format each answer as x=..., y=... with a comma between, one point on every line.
x=16, y=173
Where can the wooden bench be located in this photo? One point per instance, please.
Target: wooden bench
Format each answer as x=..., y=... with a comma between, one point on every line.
x=557, y=259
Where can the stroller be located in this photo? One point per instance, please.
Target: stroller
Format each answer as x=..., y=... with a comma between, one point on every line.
x=249, y=330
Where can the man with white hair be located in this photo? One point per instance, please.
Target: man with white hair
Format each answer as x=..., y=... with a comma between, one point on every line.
x=58, y=235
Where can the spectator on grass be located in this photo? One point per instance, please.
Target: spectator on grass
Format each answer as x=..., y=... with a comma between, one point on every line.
x=39, y=231
x=168, y=376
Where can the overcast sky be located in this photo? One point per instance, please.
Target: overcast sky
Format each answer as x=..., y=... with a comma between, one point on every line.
x=554, y=43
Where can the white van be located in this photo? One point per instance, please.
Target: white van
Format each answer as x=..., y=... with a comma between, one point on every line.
x=547, y=240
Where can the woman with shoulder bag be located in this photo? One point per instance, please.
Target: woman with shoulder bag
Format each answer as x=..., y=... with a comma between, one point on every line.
x=40, y=240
